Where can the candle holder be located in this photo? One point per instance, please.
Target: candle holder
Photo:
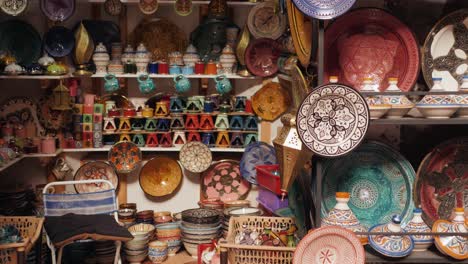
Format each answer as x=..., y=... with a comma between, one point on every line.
x=250, y=138
x=163, y=124
x=191, y=122
x=222, y=122
x=150, y=124
x=193, y=136
x=161, y=109
x=251, y=123
x=176, y=105
x=237, y=140
x=222, y=140
x=177, y=122
x=206, y=122
x=208, y=139
x=124, y=124
x=179, y=139
x=139, y=140
x=236, y=123
x=125, y=137
x=166, y=140
x=152, y=140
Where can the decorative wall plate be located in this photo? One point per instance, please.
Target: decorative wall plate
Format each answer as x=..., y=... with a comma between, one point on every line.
x=442, y=181
x=261, y=57
x=371, y=43
x=160, y=176
x=125, y=156
x=299, y=88
x=271, y=101
x=148, y=7
x=52, y=119
x=324, y=9
x=21, y=110
x=59, y=41
x=20, y=40
x=96, y=170
x=195, y=157
x=444, y=51
x=265, y=21
x=301, y=32
x=58, y=10
x=223, y=180
x=454, y=246
x=113, y=7
x=13, y=7
x=258, y=153
x=388, y=245
x=183, y=7
x=332, y=120
x=379, y=180
x=330, y=244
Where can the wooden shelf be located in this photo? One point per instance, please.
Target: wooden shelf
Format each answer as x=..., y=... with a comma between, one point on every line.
x=430, y=256
x=36, y=77
x=169, y=2
x=420, y=121
x=171, y=76
x=149, y=149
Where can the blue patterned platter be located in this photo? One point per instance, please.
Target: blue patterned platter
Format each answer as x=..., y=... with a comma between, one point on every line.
x=379, y=180
x=324, y=9
x=258, y=153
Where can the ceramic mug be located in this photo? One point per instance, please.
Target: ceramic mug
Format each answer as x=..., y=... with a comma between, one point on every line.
x=145, y=83
x=223, y=85
x=111, y=83
x=199, y=67
x=175, y=69
x=163, y=67
x=153, y=67
x=182, y=84
x=211, y=68
x=187, y=70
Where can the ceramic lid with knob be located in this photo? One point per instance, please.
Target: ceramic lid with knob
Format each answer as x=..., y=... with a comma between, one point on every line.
x=453, y=246
x=395, y=246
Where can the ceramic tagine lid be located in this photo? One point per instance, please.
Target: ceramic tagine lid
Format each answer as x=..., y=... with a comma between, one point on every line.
x=395, y=100
x=341, y=215
x=439, y=99
x=369, y=85
x=454, y=246
x=100, y=53
x=13, y=69
x=394, y=246
x=46, y=60
x=417, y=225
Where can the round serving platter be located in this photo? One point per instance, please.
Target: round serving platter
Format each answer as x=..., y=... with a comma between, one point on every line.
x=160, y=176
x=96, y=170
x=324, y=9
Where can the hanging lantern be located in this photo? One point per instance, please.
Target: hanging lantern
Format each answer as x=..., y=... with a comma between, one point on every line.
x=62, y=97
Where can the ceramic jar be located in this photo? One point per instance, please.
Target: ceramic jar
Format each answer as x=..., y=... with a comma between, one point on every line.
x=142, y=58
x=101, y=59
x=417, y=225
x=191, y=56
x=157, y=251
x=128, y=55
x=369, y=86
x=388, y=245
x=176, y=58
x=227, y=59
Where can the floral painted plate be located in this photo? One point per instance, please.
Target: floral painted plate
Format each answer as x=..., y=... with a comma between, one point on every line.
x=271, y=101
x=21, y=110
x=96, y=170
x=58, y=10
x=13, y=7
x=195, y=157
x=379, y=180
x=324, y=9
x=261, y=57
x=442, y=181
x=332, y=120
x=258, y=153
x=125, y=156
x=330, y=244
x=223, y=180
x=160, y=176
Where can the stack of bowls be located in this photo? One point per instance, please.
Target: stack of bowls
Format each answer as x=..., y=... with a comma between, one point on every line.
x=145, y=217
x=162, y=217
x=238, y=211
x=127, y=216
x=105, y=251
x=170, y=234
x=212, y=203
x=199, y=226
x=236, y=203
x=136, y=250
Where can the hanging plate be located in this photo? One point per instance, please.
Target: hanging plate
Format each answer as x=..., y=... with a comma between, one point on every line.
x=223, y=180
x=271, y=101
x=380, y=182
x=324, y=9
x=13, y=7
x=95, y=170
x=113, y=7
x=301, y=32
x=445, y=50
x=148, y=7
x=125, y=156
x=160, y=176
x=332, y=120
x=195, y=157
x=20, y=40
x=258, y=153
x=21, y=110
x=183, y=7
x=442, y=181
x=371, y=43
x=58, y=10
x=261, y=57
x=52, y=119
x=265, y=21
x=59, y=41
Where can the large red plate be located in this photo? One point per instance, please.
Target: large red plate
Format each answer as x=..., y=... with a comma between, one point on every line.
x=261, y=57
x=371, y=43
x=442, y=181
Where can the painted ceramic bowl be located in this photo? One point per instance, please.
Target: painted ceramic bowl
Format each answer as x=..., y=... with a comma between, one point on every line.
x=157, y=251
x=199, y=229
x=198, y=226
x=201, y=216
x=167, y=226
x=378, y=111
x=437, y=100
x=125, y=156
x=141, y=229
x=437, y=111
x=191, y=248
x=391, y=245
x=462, y=100
x=401, y=105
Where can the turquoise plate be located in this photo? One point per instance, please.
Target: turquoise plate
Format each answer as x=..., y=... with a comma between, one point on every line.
x=21, y=40
x=379, y=180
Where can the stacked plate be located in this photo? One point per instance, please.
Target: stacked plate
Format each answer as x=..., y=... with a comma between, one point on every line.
x=17, y=203
x=105, y=251
x=136, y=250
x=238, y=211
x=127, y=216
x=199, y=226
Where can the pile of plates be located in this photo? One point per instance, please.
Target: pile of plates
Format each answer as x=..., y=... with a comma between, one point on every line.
x=17, y=203
x=170, y=234
x=199, y=226
x=105, y=251
x=136, y=250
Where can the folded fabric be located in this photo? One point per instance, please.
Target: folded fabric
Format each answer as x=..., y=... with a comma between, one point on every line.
x=70, y=227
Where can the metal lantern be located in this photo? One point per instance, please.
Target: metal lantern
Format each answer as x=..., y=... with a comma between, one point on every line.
x=62, y=98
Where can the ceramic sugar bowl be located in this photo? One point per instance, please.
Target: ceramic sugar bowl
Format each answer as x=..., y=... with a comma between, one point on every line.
x=394, y=246
x=227, y=59
x=101, y=59
x=142, y=58
x=191, y=56
x=417, y=225
x=454, y=246
x=400, y=104
x=176, y=58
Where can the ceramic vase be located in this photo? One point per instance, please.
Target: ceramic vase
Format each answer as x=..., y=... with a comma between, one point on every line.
x=227, y=59
x=421, y=242
x=128, y=55
x=101, y=59
x=191, y=56
x=142, y=58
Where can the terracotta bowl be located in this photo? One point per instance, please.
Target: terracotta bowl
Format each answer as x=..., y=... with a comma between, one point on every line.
x=161, y=213
x=163, y=219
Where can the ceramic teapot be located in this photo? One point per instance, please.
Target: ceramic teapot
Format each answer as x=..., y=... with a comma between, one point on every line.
x=111, y=83
x=182, y=84
x=145, y=83
x=223, y=85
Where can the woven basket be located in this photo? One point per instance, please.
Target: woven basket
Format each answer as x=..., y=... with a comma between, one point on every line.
x=30, y=228
x=257, y=254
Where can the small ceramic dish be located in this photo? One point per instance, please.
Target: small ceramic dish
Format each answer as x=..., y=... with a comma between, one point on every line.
x=378, y=111
x=201, y=216
x=437, y=111
x=398, y=111
x=141, y=228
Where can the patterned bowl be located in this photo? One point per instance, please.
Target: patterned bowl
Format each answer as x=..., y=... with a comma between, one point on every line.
x=199, y=226
x=201, y=216
x=437, y=100
x=167, y=226
x=463, y=101
x=192, y=248
x=435, y=111
x=377, y=111
x=200, y=230
x=168, y=233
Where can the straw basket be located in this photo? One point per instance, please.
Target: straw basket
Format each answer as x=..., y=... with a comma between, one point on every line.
x=30, y=228
x=257, y=254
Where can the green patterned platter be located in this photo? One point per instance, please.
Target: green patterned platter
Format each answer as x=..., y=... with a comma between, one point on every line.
x=379, y=179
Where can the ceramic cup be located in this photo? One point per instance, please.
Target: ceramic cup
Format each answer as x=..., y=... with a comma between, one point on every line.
x=153, y=67
x=182, y=84
x=111, y=83
x=163, y=67
x=157, y=251
x=175, y=69
x=223, y=85
x=199, y=67
x=145, y=83
x=187, y=70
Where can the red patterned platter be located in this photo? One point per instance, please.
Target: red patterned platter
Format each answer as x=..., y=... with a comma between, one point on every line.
x=442, y=181
x=330, y=244
x=96, y=170
x=261, y=57
x=223, y=180
x=371, y=43
x=125, y=156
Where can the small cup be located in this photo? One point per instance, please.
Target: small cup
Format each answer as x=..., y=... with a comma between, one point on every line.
x=199, y=67
x=175, y=69
x=153, y=67
x=187, y=70
x=163, y=67
x=157, y=251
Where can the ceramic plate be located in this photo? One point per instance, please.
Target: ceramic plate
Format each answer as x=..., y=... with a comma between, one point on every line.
x=195, y=157
x=58, y=10
x=454, y=246
x=324, y=9
x=261, y=57
x=390, y=246
x=271, y=101
x=52, y=119
x=223, y=180
x=332, y=120
x=96, y=170
x=371, y=43
x=148, y=7
x=444, y=51
x=265, y=21
x=302, y=29
x=442, y=181
x=21, y=40
x=331, y=244
x=258, y=153
x=59, y=41
x=21, y=110
x=160, y=176
x=13, y=7
x=125, y=156
x=379, y=180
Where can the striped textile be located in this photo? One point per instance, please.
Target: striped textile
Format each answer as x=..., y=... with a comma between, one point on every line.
x=103, y=202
